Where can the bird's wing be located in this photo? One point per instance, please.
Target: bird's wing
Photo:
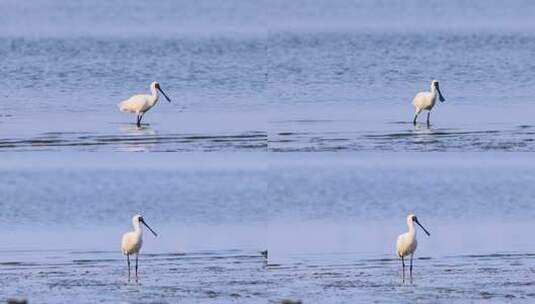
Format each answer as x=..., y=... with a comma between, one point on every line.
x=400, y=240
x=418, y=96
x=135, y=103
x=400, y=244
x=124, y=241
x=420, y=99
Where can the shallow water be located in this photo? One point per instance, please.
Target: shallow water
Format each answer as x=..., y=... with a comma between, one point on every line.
x=65, y=67
x=65, y=214
x=334, y=219
x=350, y=88
x=328, y=220
x=223, y=276
x=384, y=127
x=264, y=77
x=495, y=278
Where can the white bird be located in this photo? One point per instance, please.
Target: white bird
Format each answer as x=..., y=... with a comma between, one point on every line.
x=133, y=240
x=426, y=100
x=407, y=243
x=140, y=104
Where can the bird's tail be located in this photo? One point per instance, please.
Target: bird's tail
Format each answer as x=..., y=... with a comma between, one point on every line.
x=122, y=106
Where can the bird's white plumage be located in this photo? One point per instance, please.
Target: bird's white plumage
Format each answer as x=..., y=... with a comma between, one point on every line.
x=140, y=104
x=132, y=241
x=425, y=101
x=407, y=243
x=137, y=104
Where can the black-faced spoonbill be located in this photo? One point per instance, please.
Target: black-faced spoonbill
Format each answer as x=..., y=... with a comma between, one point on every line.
x=426, y=100
x=140, y=104
x=133, y=240
x=407, y=243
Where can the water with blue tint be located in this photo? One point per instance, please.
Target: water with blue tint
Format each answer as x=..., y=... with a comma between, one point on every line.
x=329, y=222
x=344, y=79
x=334, y=219
x=66, y=65
x=65, y=215
x=267, y=76
x=257, y=76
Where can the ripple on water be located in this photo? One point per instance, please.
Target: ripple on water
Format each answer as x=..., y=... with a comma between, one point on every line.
x=219, y=275
x=426, y=139
x=246, y=141
x=441, y=279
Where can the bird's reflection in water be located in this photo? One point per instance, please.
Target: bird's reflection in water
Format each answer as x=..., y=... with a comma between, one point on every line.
x=422, y=128
x=422, y=133
x=138, y=139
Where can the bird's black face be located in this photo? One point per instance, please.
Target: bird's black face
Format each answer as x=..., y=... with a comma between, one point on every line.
x=140, y=219
x=414, y=218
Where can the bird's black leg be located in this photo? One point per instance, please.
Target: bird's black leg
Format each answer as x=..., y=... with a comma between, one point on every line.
x=136, y=265
x=138, y=123
x=410, y=268
x=414, y=120
x=428, y=115
x=403, y=267
x=128, y=263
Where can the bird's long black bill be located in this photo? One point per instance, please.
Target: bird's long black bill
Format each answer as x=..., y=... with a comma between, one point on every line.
x=155, y=234
x=440, y=97
x=159, y=89
x=425, y=230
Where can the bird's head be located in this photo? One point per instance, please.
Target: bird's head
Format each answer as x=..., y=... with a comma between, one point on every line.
x=156, y=86
x=411, y=219
x=137, y=220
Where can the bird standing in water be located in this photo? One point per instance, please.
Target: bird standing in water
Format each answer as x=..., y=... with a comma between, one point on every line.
x=140, y=104
x=407, y=243
x=426, y=101
x=133, y=240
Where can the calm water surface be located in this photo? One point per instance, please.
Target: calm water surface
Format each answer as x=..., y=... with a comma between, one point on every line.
x=351, y=89
x=277, y=76
x=66, y=213
x=334, y=219
x=329, y=221
x=67, y=65
x=237, y=68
